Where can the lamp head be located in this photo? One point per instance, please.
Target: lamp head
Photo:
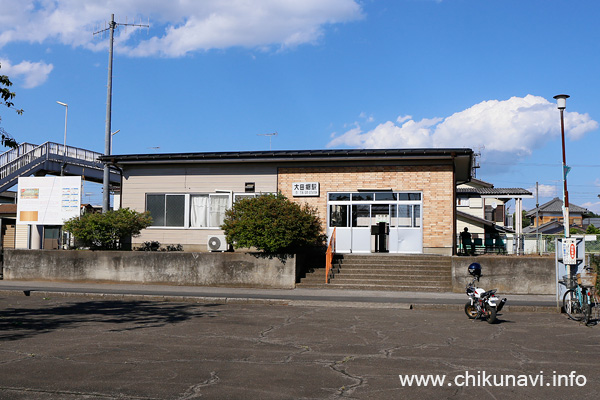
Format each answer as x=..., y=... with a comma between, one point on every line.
x=561, y=101
x=62, y=104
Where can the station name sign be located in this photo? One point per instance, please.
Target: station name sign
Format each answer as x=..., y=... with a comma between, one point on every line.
x=305, y=189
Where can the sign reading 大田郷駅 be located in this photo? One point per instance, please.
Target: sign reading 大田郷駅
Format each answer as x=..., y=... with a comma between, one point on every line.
x=300, y=189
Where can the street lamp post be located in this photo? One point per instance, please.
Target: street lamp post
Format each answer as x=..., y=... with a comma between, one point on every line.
x=62, y=168
x=561, y=102
x=111, y=139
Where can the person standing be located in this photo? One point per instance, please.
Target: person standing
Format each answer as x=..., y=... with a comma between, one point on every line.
x=465, y=239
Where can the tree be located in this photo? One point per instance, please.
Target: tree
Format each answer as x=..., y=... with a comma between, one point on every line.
x=107, y=231
x=526, y=221
x=592, y=230
x=6, y=97
x=272, y=223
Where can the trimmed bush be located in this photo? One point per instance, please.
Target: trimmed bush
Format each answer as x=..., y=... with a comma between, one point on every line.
x=272, y=223
x=107, y=231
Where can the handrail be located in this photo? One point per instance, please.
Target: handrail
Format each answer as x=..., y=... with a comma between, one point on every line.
x=27, y=153
x=329, y=257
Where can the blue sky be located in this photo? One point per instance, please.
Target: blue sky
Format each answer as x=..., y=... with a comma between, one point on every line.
x=213, y=75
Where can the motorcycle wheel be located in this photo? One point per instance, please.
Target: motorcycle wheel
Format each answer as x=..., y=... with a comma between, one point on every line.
x=490, y=314
x=470, y=310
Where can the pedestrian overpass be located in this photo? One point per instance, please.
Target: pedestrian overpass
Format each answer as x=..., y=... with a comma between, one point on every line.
x=52, y=159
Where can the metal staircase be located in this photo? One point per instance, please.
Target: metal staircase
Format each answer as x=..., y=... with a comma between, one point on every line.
x=50, y=158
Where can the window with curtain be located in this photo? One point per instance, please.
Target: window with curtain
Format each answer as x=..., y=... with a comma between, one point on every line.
x=218, y=206
x=203, y=210
x=199, y=211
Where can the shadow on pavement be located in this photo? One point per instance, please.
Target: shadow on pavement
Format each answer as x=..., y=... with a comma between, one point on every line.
x=18, y=323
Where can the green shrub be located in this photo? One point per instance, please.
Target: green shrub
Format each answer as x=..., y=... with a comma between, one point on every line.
x=273, y=224
x=107, y=231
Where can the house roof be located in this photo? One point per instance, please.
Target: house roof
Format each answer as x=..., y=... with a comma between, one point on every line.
x=8, y=209
x=555, y=206
x=479, y=182
x=549, y=228
x=460, y=157
x=495, y=192
x=482, y=221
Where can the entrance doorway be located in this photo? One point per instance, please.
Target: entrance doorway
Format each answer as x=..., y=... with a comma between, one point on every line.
x=354, y=213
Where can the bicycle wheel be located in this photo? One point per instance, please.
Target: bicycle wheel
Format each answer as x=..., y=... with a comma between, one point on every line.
x=586, y=310
x=572, y=306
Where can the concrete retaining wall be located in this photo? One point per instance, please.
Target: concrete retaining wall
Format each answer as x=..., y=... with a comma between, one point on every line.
x=508, y=274
x=176, y=268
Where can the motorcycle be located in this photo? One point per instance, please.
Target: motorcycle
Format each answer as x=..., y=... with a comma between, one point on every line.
x=482, y=303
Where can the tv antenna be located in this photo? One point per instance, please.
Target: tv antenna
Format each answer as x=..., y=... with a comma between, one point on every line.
x=270, y=135
x=107, y=133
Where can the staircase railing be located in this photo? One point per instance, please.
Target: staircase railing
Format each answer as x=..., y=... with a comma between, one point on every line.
x=13, y=160
x=329, y=257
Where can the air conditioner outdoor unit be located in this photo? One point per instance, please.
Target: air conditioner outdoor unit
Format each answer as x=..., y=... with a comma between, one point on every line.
x=217, y=243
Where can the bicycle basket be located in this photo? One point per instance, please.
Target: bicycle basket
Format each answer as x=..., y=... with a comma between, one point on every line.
x=569, y=282
x=587, y=279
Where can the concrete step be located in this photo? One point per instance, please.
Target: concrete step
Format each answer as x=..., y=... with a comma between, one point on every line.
x=392, y=257
x=399, y=288
x=385, y=272
x=391, y=268
x=393, y=261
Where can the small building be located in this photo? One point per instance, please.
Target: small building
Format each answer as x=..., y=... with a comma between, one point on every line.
x=482, y=208
x=552, y=211
x=411, y=190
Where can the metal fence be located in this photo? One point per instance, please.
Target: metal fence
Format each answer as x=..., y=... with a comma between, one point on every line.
x=527, y=244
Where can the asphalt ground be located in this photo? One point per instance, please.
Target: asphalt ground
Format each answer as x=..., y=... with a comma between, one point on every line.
x=294, y=297
x=80, y=347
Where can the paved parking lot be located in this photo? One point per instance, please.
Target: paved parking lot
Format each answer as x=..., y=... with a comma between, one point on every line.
x=83, y=348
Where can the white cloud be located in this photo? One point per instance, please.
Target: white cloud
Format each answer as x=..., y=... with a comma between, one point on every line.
x=592, y=206
x=508, y=129
x=178, y=27
x=32, y=73
x=545, y=191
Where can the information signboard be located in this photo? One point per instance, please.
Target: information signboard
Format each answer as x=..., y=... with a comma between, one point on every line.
x=569, y=246
x=48, y=200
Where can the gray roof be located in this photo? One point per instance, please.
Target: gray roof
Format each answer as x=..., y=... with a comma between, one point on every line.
x=460, y=157
x=549, y=228
x=290, y=155
x=482, y=221
x=555, y=206
x=490, y=191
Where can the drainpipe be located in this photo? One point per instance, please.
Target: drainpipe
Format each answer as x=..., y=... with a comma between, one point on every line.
x=454, y=187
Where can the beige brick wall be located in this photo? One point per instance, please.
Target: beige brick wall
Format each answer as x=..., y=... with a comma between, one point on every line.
x=435, y=182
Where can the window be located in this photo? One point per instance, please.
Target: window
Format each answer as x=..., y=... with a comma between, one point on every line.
x=417, y=216
x=240, y=196
x=409, y=215
x=404, y=215
x=185, y=210
x=386, y=196
x=361, y=215
x=208, y=210
x=338, y=216
x=363, y=196
x=462, y=201
x=339, y=196
x=166, y=209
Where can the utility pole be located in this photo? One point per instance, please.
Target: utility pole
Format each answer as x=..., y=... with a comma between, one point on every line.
x=107, y=132
x=537, y=217
x=561, y=101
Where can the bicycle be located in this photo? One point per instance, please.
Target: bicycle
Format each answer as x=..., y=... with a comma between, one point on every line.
x=581, y=297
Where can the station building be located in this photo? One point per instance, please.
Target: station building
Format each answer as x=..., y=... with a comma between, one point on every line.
x=411, y=191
